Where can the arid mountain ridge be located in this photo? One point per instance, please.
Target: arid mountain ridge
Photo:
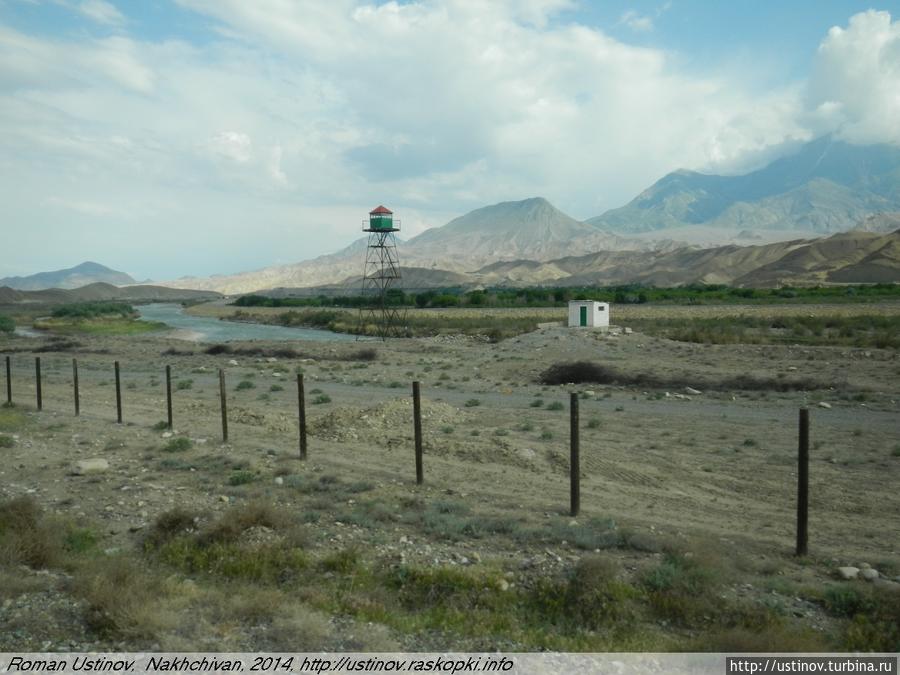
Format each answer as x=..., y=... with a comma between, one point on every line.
x=824, y=187
x=767, y=227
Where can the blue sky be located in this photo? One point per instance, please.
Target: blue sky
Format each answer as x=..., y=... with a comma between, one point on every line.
x=192, y=137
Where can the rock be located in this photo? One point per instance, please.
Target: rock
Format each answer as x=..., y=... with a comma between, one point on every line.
x=848, y=573
x=627, y=330
x=232, y=362
x=271, y=359
x=167, y=434
x=476, y=557
x=869, y=574
x=692, y=391
x=823, y=404
x=864, y=566
x=503, y=585
x=792, y=368
x=88, y=466
x=279, y=480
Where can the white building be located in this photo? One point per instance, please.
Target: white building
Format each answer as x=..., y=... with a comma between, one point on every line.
x=588, y=313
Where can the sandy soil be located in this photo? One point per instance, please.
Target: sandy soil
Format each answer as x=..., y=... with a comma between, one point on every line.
x=718, y=465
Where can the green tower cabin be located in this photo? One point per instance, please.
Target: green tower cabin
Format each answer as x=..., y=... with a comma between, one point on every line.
x=381, y=219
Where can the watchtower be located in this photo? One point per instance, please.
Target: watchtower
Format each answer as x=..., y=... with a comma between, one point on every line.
x=381, y=274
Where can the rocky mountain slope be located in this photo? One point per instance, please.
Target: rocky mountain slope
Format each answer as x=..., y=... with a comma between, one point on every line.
x=73, y=277
x=527, y=229
x=827, y=186
x=851, y=257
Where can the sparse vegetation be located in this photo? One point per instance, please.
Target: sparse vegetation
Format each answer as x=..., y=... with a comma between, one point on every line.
x=586, y=372
x=179, y=444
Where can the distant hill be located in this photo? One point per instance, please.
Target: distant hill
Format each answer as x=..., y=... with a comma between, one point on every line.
x=530, y=228
x=73, y=277
x=102, y=292
x=827, y=186
x=852, y=257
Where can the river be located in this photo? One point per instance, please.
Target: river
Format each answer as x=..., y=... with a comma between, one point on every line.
x=202, y=329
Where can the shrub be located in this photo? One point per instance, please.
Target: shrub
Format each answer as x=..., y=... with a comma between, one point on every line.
x=160, y=426
x=241, y=477
x=555, y=405
x=578, y=372
x=184, y=384
x=344, y=561
x=276, y=387
x=847, y=601
x=169, y=525
x=6, y=441
x=179, y=444
x=537, y=403
x=590, y=596
x=92, y=310
x=24, y=538
x=472, y=403
x=321, y=398
x=7, y=325
x=120, y=597
x=245, y=384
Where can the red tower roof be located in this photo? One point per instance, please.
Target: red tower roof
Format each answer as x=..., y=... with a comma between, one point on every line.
x=380, y=209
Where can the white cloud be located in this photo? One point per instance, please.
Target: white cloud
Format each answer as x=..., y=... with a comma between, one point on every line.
x=101, y=12
x=302, y=107
x=232, y=145
x=855, y=84
x=275, y=170
x=637, y=22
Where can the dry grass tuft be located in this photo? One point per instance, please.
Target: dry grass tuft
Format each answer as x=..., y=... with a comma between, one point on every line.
x=123, y=599
x=26, y=537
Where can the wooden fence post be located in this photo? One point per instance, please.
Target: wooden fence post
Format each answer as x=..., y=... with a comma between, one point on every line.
x=574, y=459
x=118, y=395
x=803, y=484
x=37, y=378
x=417, y=428
x=75, y=387
x=224, y=409
x=301, y=411
x=169, y=396
x=8, y=382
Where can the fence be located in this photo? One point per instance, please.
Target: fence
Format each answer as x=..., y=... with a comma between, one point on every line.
x=802, y=517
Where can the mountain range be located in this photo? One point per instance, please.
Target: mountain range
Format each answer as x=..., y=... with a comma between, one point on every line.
x=760, y=228
x=827, y=186
x=72, y=277
x=824, y=187
x=101, y=292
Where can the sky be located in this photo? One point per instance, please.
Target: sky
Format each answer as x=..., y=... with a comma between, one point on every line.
x=168, y=138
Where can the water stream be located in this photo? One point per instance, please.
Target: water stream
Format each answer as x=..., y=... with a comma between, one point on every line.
x=203, y=329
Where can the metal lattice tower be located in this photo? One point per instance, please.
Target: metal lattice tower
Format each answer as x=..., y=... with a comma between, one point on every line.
x=381, y=274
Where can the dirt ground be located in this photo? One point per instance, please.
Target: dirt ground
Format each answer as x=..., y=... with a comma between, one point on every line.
x=719, y=465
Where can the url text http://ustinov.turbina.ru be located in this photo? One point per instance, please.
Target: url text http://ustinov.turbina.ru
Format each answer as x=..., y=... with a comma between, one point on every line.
x=757, y=665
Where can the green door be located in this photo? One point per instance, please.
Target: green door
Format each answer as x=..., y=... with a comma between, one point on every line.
x=583, y=316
